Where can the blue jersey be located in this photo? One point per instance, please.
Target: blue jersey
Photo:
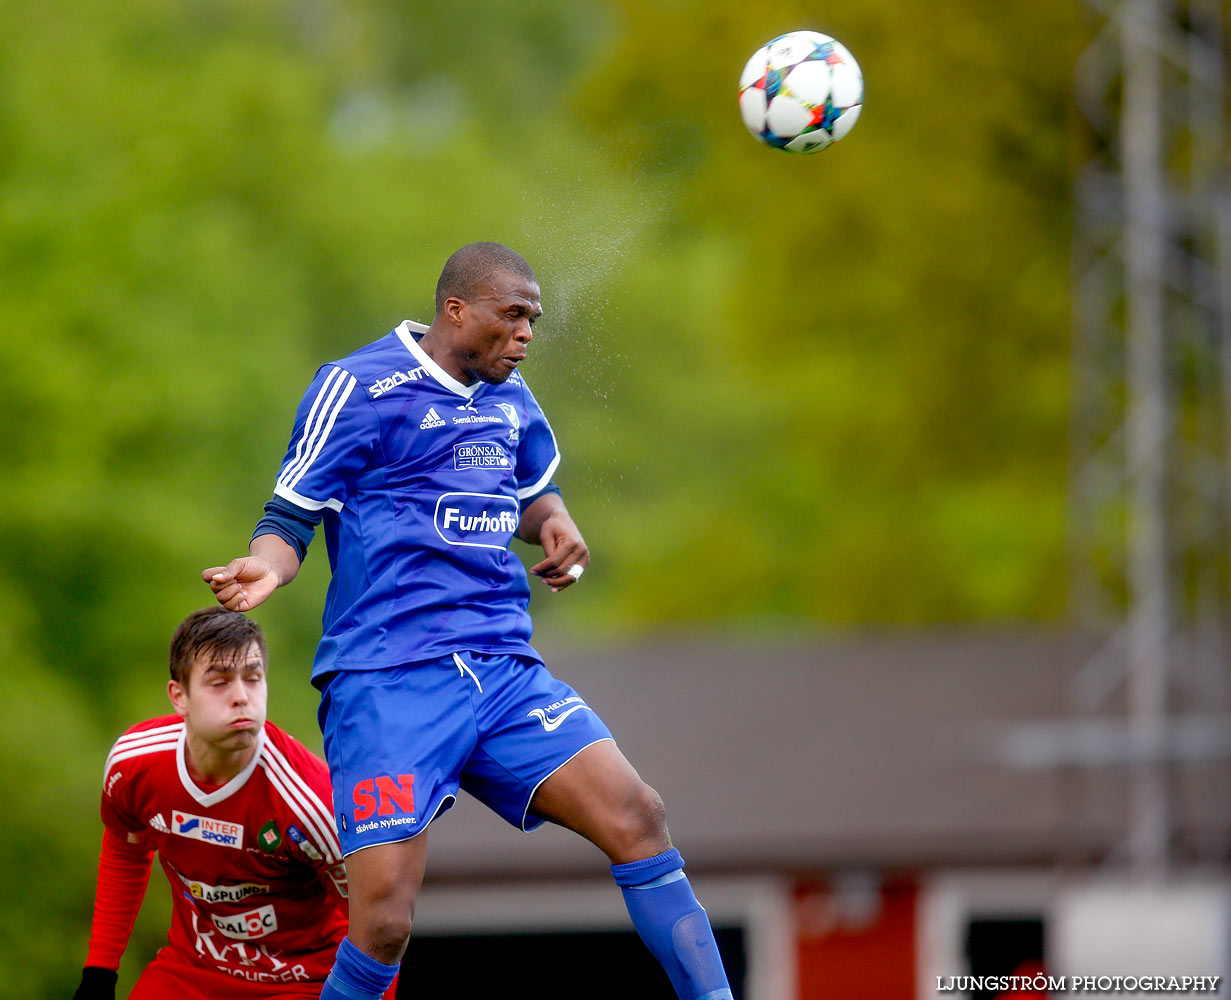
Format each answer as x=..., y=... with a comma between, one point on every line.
x=419, y=479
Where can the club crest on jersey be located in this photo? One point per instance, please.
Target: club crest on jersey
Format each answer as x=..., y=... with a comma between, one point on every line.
x=511, y=413
x=480, y=455
x=246, y=926
x=209, y=831
x=269, y=837
x=481, y=520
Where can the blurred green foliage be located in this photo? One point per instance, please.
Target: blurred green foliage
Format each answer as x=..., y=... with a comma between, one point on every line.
x=792, y=392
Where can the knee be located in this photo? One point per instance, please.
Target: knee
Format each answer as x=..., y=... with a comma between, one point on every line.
x=640, y=829
x=380, y=920
x=381, y=930
x=649, y=806
x=384, y=884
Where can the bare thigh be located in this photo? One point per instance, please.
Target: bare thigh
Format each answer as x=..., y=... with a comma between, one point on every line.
x=599, y=795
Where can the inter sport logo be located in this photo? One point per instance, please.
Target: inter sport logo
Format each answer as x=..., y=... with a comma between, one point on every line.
x=210, y=831
x=482, y=520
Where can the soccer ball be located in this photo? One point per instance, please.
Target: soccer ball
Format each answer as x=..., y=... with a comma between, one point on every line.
x=801, y=92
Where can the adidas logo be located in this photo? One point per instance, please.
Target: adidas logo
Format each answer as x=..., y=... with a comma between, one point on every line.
x=431, y=420
x=159, y=824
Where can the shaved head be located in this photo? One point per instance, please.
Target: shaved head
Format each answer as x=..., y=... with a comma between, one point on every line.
x=469, y=269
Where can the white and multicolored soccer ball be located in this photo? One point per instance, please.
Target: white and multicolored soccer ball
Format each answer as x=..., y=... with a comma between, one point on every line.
x=801, y=92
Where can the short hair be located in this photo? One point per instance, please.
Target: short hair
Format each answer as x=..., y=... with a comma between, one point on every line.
x=468, y=268
x=215, y=630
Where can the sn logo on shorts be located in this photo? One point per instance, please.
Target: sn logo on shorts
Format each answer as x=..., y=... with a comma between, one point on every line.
x=382, y=796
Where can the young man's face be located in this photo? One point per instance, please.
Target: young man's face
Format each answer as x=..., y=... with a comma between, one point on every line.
x=223, y=702
x=495, y=327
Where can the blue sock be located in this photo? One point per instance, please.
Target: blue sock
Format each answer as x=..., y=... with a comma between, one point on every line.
x=673, y=925
x=355, y=976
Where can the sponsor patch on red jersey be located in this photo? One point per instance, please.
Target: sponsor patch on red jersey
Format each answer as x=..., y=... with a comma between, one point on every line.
x=210, y=831
x=246, y=926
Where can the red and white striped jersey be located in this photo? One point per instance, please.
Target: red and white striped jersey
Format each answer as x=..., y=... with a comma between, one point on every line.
x=257, y=881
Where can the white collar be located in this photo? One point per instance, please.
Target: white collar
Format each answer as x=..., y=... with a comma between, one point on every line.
x=225, y=791
x=405, y=332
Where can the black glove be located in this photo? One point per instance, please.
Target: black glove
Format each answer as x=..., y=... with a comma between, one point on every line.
x=96, y=984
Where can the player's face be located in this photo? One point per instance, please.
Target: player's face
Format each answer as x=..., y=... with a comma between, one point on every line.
x=224, y=700
x=495, y=327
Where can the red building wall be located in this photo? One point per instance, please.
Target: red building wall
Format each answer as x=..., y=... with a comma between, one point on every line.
x=856, y=941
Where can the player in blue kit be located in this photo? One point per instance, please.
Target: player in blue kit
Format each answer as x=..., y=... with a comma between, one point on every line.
x=423, y=454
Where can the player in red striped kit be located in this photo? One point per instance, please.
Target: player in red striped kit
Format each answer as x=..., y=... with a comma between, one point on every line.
x=241, y=815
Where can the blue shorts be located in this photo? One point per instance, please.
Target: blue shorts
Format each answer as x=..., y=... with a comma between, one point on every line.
x=401, y=741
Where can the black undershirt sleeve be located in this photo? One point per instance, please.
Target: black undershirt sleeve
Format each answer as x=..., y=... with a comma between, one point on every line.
x=292, y=524
x=551, y=487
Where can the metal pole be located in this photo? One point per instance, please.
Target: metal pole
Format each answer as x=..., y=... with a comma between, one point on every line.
x=1149, y=616
x=1223, y=257
x=1220, y=190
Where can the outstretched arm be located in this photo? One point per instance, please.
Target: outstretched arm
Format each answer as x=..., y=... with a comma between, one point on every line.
x=123, y=873
x=546, y=522
x=244, y=583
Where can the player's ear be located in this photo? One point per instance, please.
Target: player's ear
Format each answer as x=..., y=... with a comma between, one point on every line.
x=454, y=309
x=179, y=697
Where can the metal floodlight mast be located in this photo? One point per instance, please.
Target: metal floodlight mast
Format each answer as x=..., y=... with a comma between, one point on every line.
x=1151, y=485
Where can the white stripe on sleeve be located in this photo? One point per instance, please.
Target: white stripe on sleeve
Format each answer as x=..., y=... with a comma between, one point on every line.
x=543, y=480
x=289, y=480
x=316, y=416
x=143, y=738
x=307, y=503
x=165, y=746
